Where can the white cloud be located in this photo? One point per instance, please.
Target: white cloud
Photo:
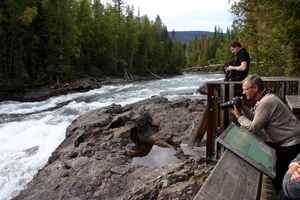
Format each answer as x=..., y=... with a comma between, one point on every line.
x=186, y=15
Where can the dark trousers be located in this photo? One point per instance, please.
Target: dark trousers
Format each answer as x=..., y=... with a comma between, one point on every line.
x=284, y=156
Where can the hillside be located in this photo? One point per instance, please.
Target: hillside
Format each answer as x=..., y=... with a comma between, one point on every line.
x=187, y=36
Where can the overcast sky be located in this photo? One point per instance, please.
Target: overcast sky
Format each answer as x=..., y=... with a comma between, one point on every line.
x=186, y=15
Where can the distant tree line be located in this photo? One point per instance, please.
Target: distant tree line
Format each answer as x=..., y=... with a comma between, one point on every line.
x=47, y=41
x=211, y=52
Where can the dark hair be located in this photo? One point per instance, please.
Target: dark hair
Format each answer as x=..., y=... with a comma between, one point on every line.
x=235, y=44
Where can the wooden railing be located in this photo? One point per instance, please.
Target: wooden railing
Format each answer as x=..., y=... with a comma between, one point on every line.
x=233, y=177
x=221, y=91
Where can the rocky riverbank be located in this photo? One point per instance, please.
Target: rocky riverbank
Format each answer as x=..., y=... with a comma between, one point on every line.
x=80, y=85
x=95, y=161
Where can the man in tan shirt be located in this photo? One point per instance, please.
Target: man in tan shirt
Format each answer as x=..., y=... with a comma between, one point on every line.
x=272, y=115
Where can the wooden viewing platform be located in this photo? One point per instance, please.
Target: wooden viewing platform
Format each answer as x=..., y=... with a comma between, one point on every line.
x=223, y=91
x=233, y=178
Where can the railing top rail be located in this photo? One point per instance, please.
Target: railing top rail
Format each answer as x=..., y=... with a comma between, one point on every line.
x=267, y=79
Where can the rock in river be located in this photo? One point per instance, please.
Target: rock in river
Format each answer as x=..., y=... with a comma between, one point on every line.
x=95, y=161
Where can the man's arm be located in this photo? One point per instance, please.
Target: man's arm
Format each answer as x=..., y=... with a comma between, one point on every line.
x=242, y=67
x=291, y=181
x=260, y=119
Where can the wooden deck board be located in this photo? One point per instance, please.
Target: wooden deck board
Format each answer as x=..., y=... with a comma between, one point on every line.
x=232, y=178
x=293, y=102
x=267, y=189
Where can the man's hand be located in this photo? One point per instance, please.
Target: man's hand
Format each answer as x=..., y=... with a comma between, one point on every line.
x=236, y=111
x=243, y=106
x=296, y=174
x=229, y=68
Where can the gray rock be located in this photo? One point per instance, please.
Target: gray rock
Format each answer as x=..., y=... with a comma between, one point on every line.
x=202, y=89
x=95, y=159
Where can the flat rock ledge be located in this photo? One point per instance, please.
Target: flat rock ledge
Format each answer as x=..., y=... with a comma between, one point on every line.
x=95, y=161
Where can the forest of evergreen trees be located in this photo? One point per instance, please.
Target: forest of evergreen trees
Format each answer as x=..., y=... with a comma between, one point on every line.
x=48, y=41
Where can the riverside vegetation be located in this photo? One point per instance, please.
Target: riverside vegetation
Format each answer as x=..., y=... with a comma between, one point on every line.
x=42, y=45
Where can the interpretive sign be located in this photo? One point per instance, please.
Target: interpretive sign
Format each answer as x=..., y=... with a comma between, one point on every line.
x=250, y=148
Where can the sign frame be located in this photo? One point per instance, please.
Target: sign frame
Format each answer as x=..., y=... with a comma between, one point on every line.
x=268, y=168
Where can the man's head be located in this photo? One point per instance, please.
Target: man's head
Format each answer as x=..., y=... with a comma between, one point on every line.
x=252, y=87
x=235, y=47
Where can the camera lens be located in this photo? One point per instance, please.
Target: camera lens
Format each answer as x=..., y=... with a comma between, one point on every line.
x=229, y=104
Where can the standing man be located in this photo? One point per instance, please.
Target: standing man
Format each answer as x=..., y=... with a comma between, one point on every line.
x=272, y=115
x=242, y=63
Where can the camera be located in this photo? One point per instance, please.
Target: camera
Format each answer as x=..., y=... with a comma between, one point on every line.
x=229, y=104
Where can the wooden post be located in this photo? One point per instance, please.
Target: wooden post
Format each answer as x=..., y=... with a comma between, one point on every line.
x=222, y=113
x=299, y=89
x=212, y=104
x=201, y=129
x=283, y=90
x=231, y=95
x=197, y=135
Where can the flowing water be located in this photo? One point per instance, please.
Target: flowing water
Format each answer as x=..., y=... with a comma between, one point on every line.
x=30, y=132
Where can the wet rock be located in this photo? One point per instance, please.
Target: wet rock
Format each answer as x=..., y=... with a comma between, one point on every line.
x=202, y=89
x=31, y=151
x=95, y=159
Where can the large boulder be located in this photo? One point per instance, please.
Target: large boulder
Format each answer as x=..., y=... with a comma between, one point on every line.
x=202, y=89
x=95, y=161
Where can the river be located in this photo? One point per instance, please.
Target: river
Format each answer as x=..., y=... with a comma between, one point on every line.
x=30, y=132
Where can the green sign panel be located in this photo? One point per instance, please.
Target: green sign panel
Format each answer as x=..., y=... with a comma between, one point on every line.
x=250, y=148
